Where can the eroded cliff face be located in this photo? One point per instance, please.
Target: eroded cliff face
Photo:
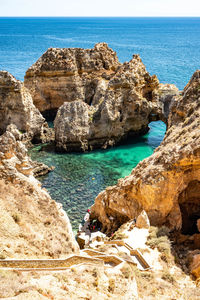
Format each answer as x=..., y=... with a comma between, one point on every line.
x=32, y=225
x=167, y=184
x=16, y=107
x=131, y=100
x=70, y=74
x=115, y=100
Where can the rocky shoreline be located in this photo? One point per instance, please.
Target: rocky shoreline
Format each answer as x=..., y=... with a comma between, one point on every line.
x=122, y=103
x=166, y=184
x=97, y=102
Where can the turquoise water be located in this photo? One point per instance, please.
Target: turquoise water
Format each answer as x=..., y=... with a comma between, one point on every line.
x=169, y=47
x=78, y=178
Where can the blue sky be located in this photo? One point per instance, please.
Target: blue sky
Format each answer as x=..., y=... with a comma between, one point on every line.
x=100, y=8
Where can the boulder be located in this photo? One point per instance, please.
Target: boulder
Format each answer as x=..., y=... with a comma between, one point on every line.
x=142, y=221
x=194, y=263
x=83, y=239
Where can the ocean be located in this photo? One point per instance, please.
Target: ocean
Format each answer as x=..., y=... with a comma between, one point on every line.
x=169, y=47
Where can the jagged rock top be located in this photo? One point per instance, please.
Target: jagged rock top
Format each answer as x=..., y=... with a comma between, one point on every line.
x=167, y=180
x=33, y=224
x=75, y=60
x=7, y=80
x=16, y=107
x=134, y=73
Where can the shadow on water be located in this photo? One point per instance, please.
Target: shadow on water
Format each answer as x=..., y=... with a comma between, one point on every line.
x=79, y=177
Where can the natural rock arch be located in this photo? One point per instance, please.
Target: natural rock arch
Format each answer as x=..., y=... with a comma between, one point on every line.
x=166, y=183
x=119, y=99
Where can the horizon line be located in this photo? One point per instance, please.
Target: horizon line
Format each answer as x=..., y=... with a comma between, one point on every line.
x=99, y=16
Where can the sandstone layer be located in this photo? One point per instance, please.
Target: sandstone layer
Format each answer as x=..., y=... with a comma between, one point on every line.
x=70, y=74
x=32, y=224
x=16, y=107
x=131, y=100
x=100, y=102
x=167, y=184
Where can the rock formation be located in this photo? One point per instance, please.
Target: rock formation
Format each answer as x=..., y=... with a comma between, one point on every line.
x=72, y=126
x=131, y=100
x=38, y=168
x=198, y=225
x=32, y=224
x=194, y=263
x=16, y=107
x=101, y=101
x=167, y=184
x=70, y=74
x=143, y=220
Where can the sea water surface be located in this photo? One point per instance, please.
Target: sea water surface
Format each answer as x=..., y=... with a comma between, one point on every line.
x=79, y=178
x=169, y=47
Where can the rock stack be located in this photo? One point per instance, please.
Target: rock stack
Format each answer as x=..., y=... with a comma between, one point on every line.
x=99, y=102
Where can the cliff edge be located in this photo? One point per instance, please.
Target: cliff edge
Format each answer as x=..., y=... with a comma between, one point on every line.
x=16, y=107
x=97, y=101
x=69, y=74
x=167, y=184
x=32, y=224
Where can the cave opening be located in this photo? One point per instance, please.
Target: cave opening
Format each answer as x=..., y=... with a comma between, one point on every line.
x=90, y=90
x=89, y=100
x=50, y=114
x=148, y=95
x=189, y=201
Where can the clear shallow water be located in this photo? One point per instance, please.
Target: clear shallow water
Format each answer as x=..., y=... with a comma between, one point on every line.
x=78, y=178
x=169, y=47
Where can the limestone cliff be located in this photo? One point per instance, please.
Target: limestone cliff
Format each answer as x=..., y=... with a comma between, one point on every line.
x=72, y=126
x=115, y=100
x=70, y=74
x=16, y=107
x=132, y=99
x=31, y=223
x=167, y=184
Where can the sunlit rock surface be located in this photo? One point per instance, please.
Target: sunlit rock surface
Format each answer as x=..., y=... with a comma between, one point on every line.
x=167, y=184
x=132, y=99
x=69, y=74
x=32, y=225
x=100, y=102
x=16, y=107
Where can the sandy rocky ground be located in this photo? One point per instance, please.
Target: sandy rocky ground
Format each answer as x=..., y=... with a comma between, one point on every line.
x=32, y=225
x=165, y=279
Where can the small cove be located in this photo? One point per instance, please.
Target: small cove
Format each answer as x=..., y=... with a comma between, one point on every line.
x=79, y=177
x=169, y=48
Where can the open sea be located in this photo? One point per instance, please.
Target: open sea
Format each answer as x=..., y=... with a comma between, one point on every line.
x=169, y=47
